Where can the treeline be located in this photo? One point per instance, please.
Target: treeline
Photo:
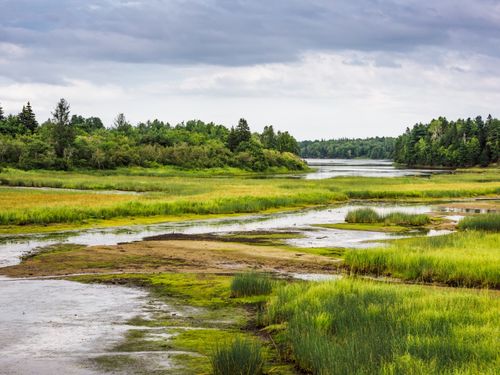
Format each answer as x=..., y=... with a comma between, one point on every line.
x=66, y=142
x=461, y=143
x=345, y=148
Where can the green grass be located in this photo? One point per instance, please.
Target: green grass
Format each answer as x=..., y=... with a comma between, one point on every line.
x=467, y=259
x=251, y=284
x=370, y=216
x=230, y=205
x=362, y=327
x=239, y=357
x=485, y=222
x=171, y=193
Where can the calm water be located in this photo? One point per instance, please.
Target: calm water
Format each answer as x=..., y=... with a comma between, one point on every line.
x=12, y=247
x=327, y=168
x=55, y=326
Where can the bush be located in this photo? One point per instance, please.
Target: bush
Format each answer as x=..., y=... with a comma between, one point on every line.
x=239, y=357
x=251, y=284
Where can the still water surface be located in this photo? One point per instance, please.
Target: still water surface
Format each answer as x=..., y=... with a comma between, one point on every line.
x=55, y=326
x=328, y=168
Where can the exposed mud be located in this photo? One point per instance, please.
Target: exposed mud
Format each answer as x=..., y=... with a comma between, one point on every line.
x=172, y=256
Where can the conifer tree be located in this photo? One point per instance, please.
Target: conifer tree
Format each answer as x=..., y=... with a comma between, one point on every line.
x=27, y=118
x=63, y=133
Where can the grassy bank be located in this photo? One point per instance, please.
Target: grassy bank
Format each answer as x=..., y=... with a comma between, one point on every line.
x=359, y=327
x=77, y=212
x=176, y=196
x=470, y=259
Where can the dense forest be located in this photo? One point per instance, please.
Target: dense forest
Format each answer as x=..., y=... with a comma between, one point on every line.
x=66, y=142
x=461, y=143
x=345, y=148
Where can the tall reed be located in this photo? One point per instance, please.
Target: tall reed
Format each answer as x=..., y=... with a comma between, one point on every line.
x=484, y=222
x=239, y=357
x=362, y=327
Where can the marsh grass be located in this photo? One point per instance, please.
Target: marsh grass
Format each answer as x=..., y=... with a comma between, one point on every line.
x=370, y=216
x=466, y=259
x=238, y=357
x=484, y=222
x=362, y=327
x=170, y=193
x=251, y=284
x=230, y=205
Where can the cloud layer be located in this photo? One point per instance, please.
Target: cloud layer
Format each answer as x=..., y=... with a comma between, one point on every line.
x=370, y=56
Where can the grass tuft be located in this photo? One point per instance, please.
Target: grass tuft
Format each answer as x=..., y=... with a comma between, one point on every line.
x=239, y=357
x=370, y=216
x=251, y=284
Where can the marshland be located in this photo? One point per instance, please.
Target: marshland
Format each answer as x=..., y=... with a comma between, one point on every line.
x=217, y=272
x=249, y=187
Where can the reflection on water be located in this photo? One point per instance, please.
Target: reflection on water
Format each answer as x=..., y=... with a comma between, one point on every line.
x=327, y=168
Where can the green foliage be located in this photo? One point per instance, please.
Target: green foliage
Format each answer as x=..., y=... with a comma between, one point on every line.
x=239, y=357
x=467, y=259
x=63, y=133
x=344, y=148
x=79, y=142
x=461, y=143
x=362, y=327
x=485, y=222
x=27, y=118
x=369, y=215
x=251, y=284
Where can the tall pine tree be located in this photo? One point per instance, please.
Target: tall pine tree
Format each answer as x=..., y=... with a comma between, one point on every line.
x=63, y=133
x=27, y=118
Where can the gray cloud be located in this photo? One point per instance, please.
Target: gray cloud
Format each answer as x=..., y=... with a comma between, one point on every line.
x=243, y=32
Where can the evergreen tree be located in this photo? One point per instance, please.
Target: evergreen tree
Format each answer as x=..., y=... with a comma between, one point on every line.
x=243, y=133
x=27, y=118
x=2, y=117
x=268, y=137
x=121, y=124
x=238, y=135
x=63, y=133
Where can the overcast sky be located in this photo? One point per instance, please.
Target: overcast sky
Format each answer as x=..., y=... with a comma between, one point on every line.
x=317, y=68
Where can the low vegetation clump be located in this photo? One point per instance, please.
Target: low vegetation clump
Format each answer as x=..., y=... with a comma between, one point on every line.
x=370, y=216
x=364, y=327
x=239, y=357
x=485, y=222
x=251, y=284
x=466, y=259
